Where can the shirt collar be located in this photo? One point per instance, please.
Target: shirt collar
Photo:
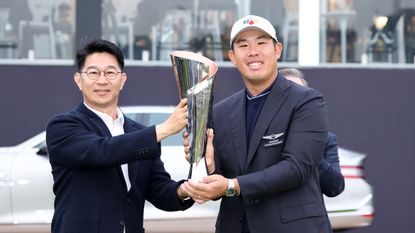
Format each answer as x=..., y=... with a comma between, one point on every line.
x=107, y=119
x=262, y=94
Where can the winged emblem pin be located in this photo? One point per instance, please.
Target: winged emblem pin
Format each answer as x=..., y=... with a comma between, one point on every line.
x=272, y=136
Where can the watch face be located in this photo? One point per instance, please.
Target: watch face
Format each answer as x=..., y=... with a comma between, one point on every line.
x=230, y=192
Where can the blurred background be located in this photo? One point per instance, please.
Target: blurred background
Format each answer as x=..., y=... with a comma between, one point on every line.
x=349, y=31
x=358, y=54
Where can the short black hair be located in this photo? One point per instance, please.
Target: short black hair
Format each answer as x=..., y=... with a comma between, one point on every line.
x=99, y=46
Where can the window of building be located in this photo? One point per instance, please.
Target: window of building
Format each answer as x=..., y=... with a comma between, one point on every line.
x=37, y=29
x=150, y=29
x=367, y=31
x=348, y=31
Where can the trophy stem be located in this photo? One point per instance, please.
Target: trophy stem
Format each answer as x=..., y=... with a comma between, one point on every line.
x=199, y=170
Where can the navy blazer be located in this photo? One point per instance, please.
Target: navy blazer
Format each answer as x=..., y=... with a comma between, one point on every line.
x=331, y=178
x=278, y=175
x=91, y=193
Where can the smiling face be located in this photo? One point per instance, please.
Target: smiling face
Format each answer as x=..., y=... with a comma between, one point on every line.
x=102, y=93
x=255, y=54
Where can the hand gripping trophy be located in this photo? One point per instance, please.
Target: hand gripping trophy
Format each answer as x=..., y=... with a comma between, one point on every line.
x=195, y=76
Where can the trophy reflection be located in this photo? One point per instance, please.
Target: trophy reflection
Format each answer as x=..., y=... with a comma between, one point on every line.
x=195, y=76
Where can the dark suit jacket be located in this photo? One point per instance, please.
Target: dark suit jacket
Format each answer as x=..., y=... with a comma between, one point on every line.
x=331, y=178
x=91, y=193
x=278, y=175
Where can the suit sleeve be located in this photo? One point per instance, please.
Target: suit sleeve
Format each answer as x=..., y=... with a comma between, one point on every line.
x=303, y=149
x=331, y=178
x=73, y=143
x=162, y=191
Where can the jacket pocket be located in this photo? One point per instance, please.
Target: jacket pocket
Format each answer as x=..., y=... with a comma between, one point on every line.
x=74, y=222
x=293, y=213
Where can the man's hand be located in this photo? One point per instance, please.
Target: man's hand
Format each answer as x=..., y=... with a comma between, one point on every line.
x=176, y=122
x=210, y=160
x=211, y=187
x=181, y=194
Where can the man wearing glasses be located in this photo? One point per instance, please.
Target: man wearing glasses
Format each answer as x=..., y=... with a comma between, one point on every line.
x=104, y=164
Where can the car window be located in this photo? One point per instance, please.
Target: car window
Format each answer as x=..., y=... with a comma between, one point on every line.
x=154, y=119
x=42, y=149
x=41, y=145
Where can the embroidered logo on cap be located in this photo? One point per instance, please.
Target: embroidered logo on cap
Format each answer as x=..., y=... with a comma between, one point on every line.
x=250, y=21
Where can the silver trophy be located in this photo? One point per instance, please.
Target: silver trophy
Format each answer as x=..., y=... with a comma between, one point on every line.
x=195, y=76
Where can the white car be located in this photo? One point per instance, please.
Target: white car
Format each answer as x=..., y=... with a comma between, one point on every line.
x=26, y=181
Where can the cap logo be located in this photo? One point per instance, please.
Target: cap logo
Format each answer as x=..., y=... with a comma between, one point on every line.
x=250, y=21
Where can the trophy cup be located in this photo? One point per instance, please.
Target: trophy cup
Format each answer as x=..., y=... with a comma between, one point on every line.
x=195, y=76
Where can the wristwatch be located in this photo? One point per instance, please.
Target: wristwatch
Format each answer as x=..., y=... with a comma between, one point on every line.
x=230, y=191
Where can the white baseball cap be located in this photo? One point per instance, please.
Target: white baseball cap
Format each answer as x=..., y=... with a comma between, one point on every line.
x=249, y=22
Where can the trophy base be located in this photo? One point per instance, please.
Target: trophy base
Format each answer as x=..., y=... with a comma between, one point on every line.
x=198, y=170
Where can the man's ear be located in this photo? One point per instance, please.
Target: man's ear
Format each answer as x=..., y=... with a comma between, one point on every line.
x=123, y=80
x=231, y=56
x=278, y=50
x=77, y=79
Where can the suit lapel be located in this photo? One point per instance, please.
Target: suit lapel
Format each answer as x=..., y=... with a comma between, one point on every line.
x=95, y=120
x=272, y=104
x=129, y=127
x=103, y=131
x=236, y=116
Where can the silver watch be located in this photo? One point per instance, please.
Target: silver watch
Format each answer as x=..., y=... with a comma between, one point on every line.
x=230, y=191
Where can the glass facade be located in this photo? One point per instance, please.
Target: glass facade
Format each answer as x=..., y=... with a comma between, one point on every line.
x=35, y=29
x=348, y=31
x=150, y=29
x=367, y=31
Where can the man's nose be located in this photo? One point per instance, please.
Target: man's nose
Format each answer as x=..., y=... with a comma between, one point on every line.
x=253, y=51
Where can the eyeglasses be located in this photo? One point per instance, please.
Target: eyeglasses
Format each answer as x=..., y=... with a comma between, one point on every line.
x=95, y=74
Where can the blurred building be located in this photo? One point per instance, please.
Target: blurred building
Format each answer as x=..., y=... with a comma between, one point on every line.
x=148, y=30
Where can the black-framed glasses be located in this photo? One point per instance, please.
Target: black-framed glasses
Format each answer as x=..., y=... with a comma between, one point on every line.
x=94, y=74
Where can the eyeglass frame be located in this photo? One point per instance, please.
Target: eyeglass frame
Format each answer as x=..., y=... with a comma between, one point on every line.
x=99, y=74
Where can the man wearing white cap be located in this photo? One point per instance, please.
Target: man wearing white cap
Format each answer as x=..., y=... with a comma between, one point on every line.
x=268, y=141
